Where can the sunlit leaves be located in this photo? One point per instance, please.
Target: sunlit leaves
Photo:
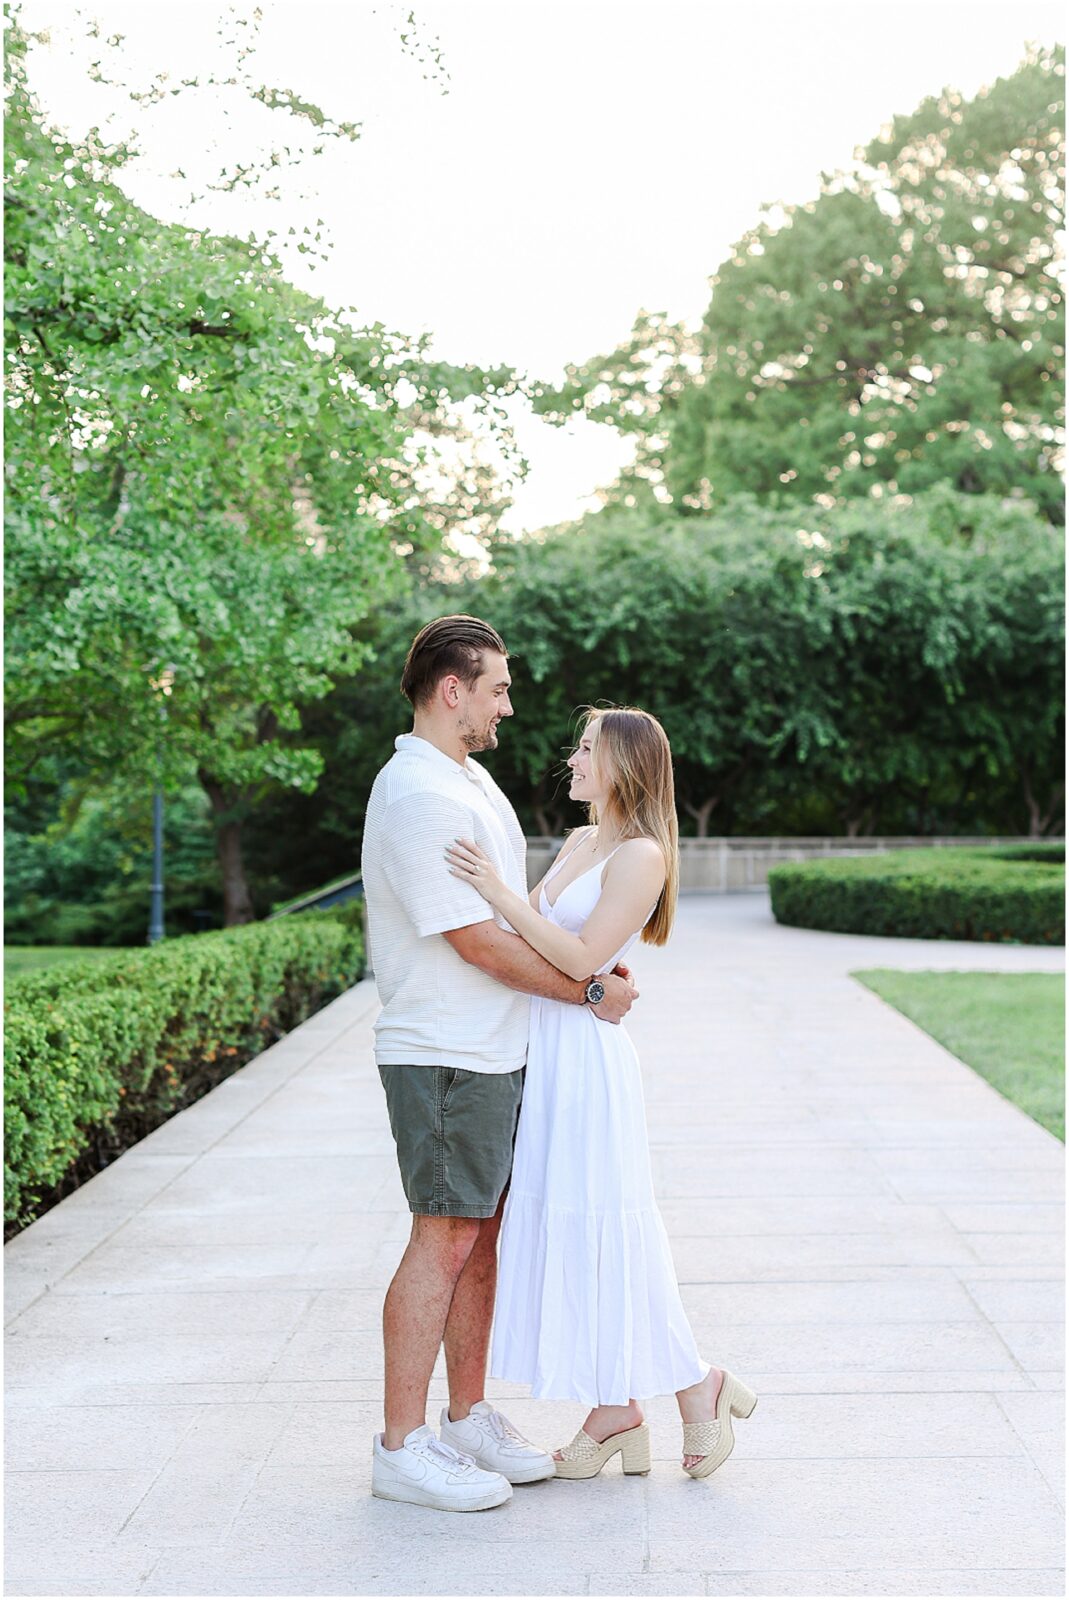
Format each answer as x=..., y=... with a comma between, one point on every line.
x=902, y=329
x=210, y=475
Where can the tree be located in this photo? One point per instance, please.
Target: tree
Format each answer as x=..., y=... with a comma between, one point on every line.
x=211, y=479
x=903, y=329
x=880, y=668
x=711, y=627
x=924, y=622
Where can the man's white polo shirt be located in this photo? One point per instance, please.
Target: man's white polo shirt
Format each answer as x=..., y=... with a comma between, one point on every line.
x=438, y=1010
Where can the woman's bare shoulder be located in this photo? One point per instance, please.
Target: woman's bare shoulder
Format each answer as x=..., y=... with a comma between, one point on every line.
x=643, y=848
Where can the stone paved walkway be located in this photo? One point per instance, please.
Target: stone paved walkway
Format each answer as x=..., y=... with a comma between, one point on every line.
x=864, y=1231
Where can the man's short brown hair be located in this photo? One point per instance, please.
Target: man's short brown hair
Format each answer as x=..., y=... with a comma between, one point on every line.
x=447, y=646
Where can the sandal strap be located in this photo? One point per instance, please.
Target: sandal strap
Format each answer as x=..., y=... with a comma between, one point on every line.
x=701, y=1438
x=582, y=1447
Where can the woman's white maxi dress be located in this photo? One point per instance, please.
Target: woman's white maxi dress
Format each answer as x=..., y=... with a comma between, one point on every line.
x=587, y=1306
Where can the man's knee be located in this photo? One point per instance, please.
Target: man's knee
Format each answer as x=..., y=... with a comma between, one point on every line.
x=451, y=1239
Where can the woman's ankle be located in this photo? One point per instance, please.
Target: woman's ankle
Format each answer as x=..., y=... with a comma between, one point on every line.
x=607, y=1420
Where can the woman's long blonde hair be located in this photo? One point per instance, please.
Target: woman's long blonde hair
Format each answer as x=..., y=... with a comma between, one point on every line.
x=630, y=754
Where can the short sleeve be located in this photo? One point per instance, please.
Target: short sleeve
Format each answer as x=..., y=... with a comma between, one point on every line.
x=416, y=832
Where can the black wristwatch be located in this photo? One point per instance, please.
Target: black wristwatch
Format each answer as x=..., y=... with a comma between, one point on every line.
x=595, y=992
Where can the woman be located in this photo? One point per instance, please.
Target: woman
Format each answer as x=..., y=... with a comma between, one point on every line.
x=588, y=1307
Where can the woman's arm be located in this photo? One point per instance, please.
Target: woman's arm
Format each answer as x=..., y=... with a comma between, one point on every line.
x=633, y=880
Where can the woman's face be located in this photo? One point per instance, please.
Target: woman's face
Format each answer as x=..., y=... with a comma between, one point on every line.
x=585, y=785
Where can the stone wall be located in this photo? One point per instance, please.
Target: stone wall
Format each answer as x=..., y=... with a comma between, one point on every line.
x=720, y=866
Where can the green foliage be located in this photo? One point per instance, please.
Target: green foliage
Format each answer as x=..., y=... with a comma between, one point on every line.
x=212, y=478
x=19, y=958
x=298, y=842
x=1008, y=1026
x=926, y=894
x=881, y=669
x=1054, y=851
x=108, y=1049
x=903, y=329
x=893, y=663
x=79, y=865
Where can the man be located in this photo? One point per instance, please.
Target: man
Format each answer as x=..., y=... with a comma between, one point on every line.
x=451, y=1043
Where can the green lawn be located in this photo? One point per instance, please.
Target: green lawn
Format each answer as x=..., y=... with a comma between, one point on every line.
x=33, y=957
x=1010, y=1027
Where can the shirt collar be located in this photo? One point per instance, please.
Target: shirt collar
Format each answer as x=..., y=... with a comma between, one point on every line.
x=411, y=744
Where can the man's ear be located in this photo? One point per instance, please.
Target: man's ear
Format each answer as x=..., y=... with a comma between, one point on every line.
x=450, y=690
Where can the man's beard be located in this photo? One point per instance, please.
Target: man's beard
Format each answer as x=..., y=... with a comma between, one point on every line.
x=479, y=740
x=473, y=740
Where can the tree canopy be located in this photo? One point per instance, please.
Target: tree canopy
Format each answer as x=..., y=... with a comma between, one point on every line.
x=904, y=328
x=212, y=477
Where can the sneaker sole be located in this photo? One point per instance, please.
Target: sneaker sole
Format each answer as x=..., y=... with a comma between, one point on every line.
x=534, y=1475
x=434, y=1502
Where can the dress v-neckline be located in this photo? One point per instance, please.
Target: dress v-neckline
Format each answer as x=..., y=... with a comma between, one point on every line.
x=552, y=903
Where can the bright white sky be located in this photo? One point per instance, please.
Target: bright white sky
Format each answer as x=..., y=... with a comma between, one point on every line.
x=589, y=158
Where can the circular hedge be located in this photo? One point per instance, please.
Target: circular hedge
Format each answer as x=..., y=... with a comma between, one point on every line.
x=1012, y=894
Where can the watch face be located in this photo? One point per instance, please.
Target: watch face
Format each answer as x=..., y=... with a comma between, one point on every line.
x=595, y=992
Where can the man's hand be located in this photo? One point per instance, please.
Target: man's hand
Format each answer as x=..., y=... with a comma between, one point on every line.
x=620, y=990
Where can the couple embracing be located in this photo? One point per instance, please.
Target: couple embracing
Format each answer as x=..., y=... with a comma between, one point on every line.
x=515, y=1097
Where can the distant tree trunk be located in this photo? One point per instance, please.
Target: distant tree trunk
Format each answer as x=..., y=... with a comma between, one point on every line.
x=549, y=828
x=1040, y=820
x=702, y=813
x=954, y=809
x=859, y=820
x=237, y=901
x=547, y=816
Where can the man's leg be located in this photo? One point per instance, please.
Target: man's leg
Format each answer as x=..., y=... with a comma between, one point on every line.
x=467, y=1328
x=415, y=1312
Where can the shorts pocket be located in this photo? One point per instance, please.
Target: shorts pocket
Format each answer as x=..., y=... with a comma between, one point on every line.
x=456, y=1074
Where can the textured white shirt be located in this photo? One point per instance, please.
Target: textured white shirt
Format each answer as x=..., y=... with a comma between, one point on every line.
x=438, y=1010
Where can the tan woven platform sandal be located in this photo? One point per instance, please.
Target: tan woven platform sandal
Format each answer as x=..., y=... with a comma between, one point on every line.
x=585, y=1457
x=714, y=1441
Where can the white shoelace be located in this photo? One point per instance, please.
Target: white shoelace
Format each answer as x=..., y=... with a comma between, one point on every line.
x=502, y=1429
x=437, y=1447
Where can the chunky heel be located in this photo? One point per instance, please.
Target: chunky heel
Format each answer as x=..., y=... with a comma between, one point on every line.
x=635, y=1449
x=584, y=1457
x=741, y=1400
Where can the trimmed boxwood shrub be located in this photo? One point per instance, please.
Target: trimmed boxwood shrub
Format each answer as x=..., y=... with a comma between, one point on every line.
x=96, y=1055
x=1013, y=894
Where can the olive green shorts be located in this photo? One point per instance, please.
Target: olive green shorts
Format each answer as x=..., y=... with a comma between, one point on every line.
x=454, y=1132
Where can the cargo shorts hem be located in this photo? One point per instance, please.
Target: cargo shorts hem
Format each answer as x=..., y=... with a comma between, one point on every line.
x=431, y=1208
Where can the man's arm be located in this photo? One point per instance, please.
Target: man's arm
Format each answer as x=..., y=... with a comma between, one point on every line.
x=508, y=959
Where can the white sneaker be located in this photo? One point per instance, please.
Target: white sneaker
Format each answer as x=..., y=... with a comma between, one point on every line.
x=494, y=1443
x=429, y=1473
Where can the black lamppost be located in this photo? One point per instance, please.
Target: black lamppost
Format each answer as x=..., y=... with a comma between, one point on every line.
x=163, y=686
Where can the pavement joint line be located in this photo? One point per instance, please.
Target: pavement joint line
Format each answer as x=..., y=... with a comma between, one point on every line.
x=239, y=1508
x=148, y=1576
x=1054, y=1488
x=133, y=1512
x=262, y=1399
x=994, y=1329
x=316, y=1296
x=672, y=1459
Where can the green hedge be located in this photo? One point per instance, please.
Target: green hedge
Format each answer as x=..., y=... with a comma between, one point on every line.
x=99, y=1053
x=1013, y=894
